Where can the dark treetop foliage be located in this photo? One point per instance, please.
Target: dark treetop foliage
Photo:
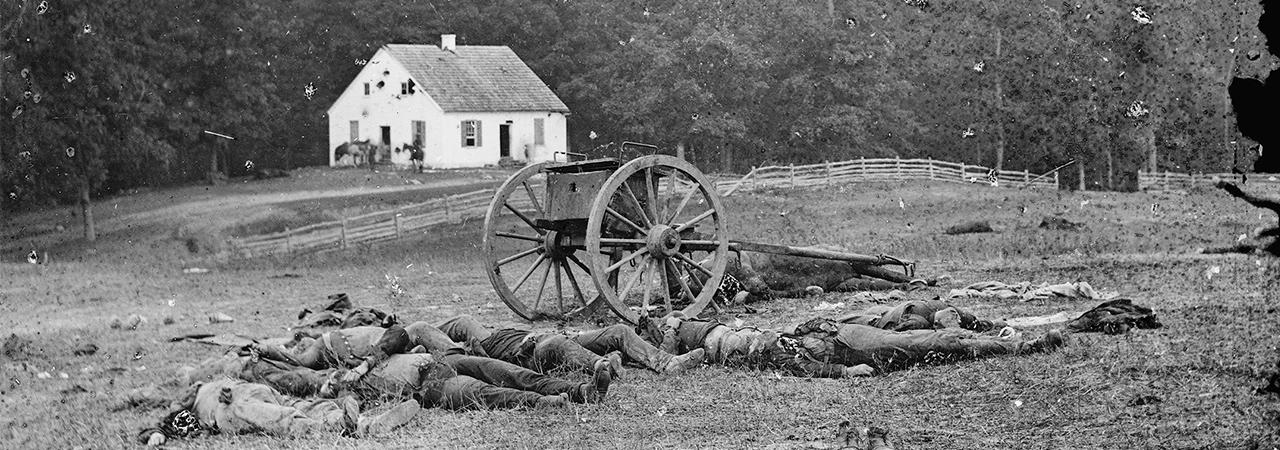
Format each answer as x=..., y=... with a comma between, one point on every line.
x=113, y=94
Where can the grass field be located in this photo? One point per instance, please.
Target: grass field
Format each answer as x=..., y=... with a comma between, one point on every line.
x=1188, y=385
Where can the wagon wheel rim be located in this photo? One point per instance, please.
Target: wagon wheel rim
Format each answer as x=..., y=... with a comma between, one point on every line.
x=533, y=270
x=657, y=248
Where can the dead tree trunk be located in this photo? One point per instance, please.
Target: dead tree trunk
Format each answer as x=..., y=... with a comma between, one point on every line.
x=86, y=210
x=1265, y=203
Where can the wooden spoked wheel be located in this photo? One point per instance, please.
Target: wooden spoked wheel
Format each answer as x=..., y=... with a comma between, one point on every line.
x=535, y=271
x=655, y=236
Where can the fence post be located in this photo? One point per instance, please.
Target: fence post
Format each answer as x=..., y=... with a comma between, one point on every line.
x=446, y=209
x=344, y=232
x=1193, y=179
x=397, y=219
x=862, y=168
x=897, y=167
x=1026, y=177
x=930, y=162
x=1056, y=186
x=963, y=169
x=793, y=175
x=1167, y=186
x=828, y=172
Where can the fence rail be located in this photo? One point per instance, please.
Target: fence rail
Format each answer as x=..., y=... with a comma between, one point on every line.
x=1173, y=181
x=396, y=223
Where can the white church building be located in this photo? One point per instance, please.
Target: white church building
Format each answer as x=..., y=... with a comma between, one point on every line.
x=466, y=106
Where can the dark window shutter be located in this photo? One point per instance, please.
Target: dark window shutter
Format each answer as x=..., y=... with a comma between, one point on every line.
x=463, y=127
x=478, y=134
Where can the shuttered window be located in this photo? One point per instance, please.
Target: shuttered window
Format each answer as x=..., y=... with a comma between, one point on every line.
x=419, y=132
x=471, y=133
x=538, y=136
x=355, y=130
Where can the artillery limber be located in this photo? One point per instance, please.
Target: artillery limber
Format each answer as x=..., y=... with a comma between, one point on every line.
x=562, y=237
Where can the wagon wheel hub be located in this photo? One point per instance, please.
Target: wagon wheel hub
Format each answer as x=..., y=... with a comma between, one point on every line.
x=554, y=244
x=663, y=241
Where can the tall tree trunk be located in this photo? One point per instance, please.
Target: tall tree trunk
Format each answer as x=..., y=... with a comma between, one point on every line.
x=213, y=164
x=999, y=104
x=1111, y=169
x=726, y=159
x=1080, y=172
x=86, y=210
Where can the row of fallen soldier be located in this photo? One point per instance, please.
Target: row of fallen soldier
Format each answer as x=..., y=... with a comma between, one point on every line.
x=323, y=383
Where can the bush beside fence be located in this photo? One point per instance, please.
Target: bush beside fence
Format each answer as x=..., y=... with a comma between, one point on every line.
x=396, y=223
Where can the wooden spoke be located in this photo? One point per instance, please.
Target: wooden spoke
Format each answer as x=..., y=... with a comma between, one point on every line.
x=542, y=285
x=699, y=218
x=516, y=256
x=690, y=261
x=573, y=282
x=532, y=198
x=631, y=283
x=517, y=236
x=653, y=195
x=666, y=288
x=639, y=208
x=577, y=261
x=525, y=277
x=628, y=259
x=524, y=218
x=671, y=192
x=625, y=220
x=680, y=207
x=684, y=287
x=648, y=283
x=555, y=266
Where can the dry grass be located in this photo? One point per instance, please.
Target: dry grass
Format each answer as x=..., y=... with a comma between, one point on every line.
x=1196, y=377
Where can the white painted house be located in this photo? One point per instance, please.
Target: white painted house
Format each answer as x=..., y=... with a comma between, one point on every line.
x=468, y=105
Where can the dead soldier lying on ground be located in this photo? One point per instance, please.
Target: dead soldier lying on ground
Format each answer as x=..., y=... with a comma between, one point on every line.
x=553, y=351
x=753, y=276
x=828, y=349
x=368, y=349
x=232, y=406
x=480, y=382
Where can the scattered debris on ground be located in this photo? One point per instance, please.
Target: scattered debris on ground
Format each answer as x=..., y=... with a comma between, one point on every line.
x=977, y=226
x=1059, y=223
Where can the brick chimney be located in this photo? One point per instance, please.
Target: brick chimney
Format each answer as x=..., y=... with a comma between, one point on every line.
x=448, y=42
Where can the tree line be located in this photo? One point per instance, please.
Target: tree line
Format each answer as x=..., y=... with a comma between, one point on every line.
x=100, y=96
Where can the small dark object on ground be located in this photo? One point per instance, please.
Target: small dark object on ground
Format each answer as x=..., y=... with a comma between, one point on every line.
x=1145, y=400
x=1115, y=317
x=265, y=173
x=1058, y=223
x=977, y=226
x=1273, y=383
x=87, y=348
x=285, y=275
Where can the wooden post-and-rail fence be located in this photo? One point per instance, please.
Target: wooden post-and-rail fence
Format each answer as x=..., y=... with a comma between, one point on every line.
x=405, y=220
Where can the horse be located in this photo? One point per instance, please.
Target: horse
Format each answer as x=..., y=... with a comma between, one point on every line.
x=416, y=155
x=359, y=151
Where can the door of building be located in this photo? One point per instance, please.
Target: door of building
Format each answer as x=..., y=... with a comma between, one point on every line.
x=504, y=140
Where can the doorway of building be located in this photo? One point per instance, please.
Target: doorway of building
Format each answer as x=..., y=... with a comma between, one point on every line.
x=384, y=151
x=504, y=140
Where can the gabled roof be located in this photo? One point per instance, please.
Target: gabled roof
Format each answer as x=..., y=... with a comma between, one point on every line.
x=476, y=78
